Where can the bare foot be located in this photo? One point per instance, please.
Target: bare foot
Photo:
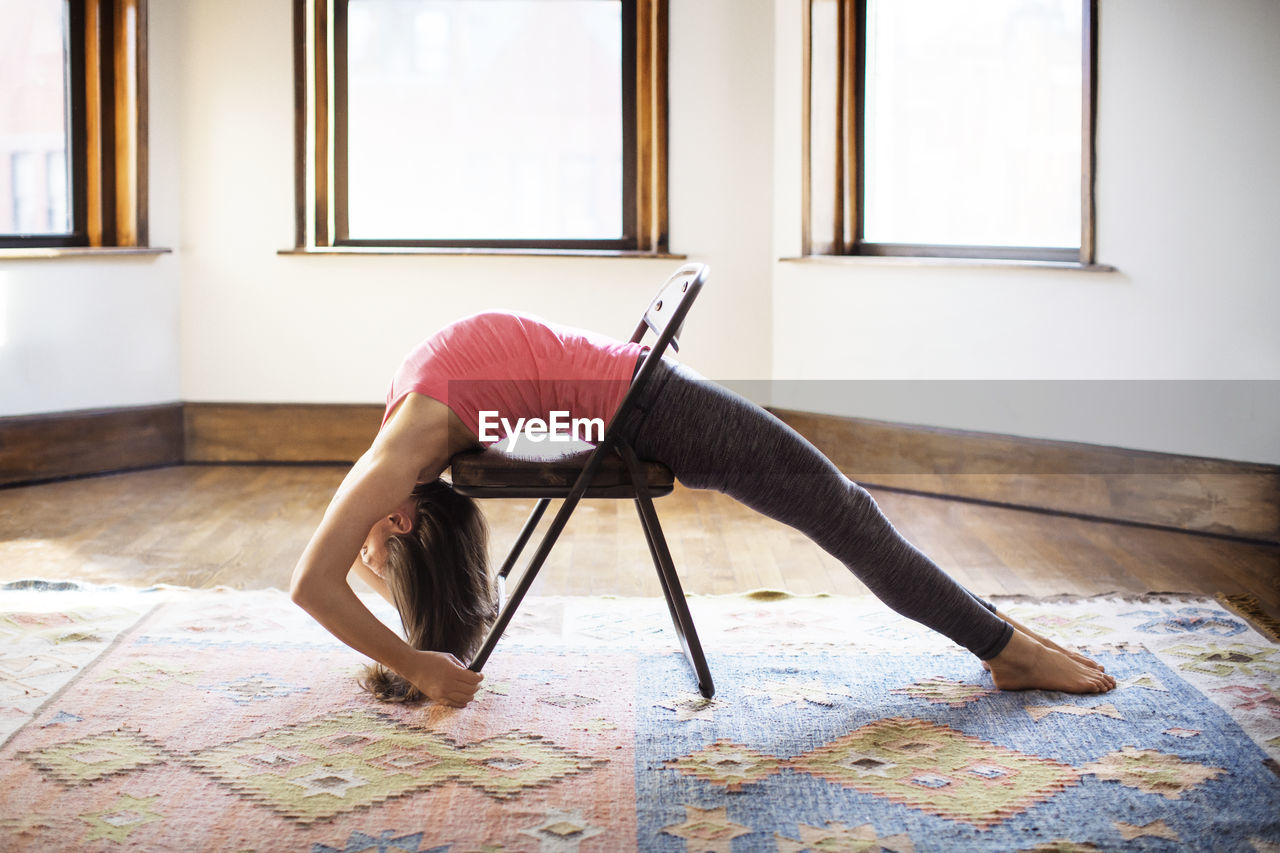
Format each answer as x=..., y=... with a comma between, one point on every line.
x=1043, y=640
x=1027, y=664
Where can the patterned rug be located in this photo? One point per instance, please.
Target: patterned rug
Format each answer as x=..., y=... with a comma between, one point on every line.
x=181, y=720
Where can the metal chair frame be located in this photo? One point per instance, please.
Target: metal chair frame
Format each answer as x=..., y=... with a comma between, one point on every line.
x=665, y=318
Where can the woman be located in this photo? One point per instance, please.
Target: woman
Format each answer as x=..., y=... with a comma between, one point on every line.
x=421, y=546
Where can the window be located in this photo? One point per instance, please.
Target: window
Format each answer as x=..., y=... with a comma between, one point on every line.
x=72, y=113
x=503, y=124
x=950, y=129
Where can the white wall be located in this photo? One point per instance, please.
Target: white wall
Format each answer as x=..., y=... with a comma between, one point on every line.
x=258, y=326
x=101, y=332
x=86, y=334
x=1188, y=201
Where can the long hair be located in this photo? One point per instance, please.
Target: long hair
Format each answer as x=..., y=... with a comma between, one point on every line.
x=438, y=576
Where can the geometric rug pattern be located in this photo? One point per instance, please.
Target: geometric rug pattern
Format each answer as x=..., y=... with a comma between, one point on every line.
x=170, y=719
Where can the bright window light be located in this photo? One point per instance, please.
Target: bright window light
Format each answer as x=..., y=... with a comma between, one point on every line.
x=33, y=118
x=494, y=120
x=973, y=123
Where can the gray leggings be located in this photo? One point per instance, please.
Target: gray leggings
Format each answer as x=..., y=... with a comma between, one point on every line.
x=715, y=439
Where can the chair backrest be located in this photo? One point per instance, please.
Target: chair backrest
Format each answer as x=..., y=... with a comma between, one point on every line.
x=665, y=317
x=668, y=308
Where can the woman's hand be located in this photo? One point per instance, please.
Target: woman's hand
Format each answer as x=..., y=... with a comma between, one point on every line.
x=442, y=678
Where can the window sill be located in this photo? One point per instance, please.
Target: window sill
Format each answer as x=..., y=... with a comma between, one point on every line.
x=476, y=252
x=56, y=252
x=964, y=263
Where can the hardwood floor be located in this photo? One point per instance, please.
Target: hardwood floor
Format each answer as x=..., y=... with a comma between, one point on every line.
x=243, y=526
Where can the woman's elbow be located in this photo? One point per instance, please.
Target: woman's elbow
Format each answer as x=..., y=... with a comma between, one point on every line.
x=302, y=589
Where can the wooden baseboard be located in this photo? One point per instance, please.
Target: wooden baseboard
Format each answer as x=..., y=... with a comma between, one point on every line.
x=1181, y=492
x=1186, y=493
x=34, y=448
x=247, y=432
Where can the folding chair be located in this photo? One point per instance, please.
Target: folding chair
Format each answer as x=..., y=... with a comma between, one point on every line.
x=609, y=470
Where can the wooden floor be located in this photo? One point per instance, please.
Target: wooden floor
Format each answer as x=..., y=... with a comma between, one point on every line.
x=244, y=526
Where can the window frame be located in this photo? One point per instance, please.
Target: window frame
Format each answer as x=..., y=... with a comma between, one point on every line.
x=320, y=98
x=848, y=191
x=107, y=133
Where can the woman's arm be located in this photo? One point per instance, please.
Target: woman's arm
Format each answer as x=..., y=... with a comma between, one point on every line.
x=376, y=583
x=379, y=482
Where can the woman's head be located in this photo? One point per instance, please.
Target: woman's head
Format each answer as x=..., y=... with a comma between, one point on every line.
x=438, y=575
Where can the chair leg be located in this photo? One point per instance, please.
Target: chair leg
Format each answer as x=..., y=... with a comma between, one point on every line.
x=514, y=554
x=662, y=579
x=539, y=557
x=508, y=608
x=681, y=618
x=525, y=532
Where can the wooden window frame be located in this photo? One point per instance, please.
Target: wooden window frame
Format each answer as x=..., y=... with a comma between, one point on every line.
x=848, y=237
x=320, y=126
x=107, y=142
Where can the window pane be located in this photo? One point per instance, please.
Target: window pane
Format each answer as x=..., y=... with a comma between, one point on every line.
x=498, y=120
x=33, y=118
x=824, y=118
x=973, y=122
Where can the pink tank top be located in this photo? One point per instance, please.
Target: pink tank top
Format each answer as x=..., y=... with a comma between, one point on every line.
x=516, y=366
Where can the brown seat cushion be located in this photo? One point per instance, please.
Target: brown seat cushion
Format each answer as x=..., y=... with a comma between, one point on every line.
x=548, y=469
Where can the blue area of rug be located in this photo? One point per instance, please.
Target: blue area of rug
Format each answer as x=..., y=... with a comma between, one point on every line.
x=1153, y=765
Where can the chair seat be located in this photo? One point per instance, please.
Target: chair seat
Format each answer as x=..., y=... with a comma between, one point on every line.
x=549, y=470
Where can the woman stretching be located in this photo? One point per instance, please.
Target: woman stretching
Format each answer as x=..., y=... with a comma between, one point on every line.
x=423, y=547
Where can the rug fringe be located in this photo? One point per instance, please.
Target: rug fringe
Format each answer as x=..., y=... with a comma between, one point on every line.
x=770, y=594
x=1244, y=605
x=1249, y=607
x=1115, y=595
